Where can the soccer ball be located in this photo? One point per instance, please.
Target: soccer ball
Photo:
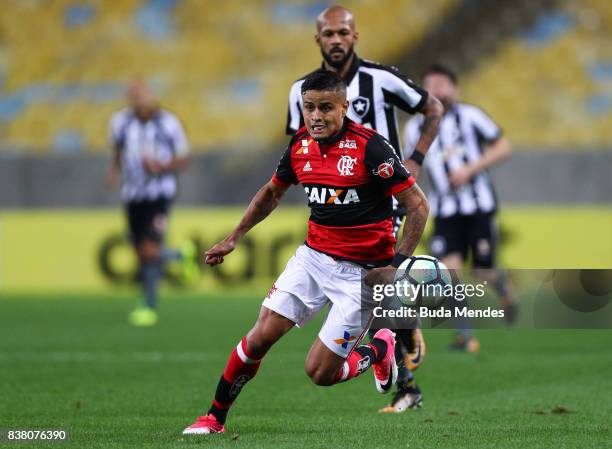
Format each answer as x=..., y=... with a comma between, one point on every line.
x=421, y=281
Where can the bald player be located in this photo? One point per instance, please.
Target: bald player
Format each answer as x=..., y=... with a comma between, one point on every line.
x=149, y=149
x=375, y=92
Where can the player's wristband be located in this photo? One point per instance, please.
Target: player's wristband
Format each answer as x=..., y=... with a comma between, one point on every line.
x=398, y=259
x=417, y=157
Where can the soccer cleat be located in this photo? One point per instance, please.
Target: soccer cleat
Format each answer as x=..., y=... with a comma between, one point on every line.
x=404, y=399
x=465, y=344
x=385, y=370
x=143, y=317
x=205, y=425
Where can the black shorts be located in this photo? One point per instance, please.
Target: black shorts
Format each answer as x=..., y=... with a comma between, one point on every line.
x=148, y=219
x=463, y=234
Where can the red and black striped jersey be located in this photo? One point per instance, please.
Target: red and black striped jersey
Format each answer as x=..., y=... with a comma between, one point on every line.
x=348, y=179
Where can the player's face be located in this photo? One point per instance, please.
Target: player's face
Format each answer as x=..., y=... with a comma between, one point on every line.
x=139, y=97
x=441, y=87
x=323, y=112
x=336, y=38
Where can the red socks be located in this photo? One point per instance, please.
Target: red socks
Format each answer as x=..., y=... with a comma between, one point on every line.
x=241, y=367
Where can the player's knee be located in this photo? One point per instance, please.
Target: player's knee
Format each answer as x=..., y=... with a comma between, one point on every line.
x=258, y=345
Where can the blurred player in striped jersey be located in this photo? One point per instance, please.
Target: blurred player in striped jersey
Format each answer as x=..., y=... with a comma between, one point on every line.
x=463, y=199
x=149, y=149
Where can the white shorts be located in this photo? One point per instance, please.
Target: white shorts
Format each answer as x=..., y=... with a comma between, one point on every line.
x=311, y=280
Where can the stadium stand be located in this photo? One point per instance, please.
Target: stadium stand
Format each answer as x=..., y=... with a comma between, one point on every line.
x=224, y=67
x=551, y=85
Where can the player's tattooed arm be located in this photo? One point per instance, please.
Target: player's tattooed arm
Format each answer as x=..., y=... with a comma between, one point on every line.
x=417, y=211
x=262, y=204
x=433, y=112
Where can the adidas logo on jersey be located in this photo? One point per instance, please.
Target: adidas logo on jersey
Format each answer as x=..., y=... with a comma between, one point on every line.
x=325, y=195
x=307, y=166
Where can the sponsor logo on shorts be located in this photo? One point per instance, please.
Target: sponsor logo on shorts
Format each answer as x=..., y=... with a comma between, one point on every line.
x=160, y=223
x=272, y=290
x=345, y=340
x=438, y=245
x=484, y=247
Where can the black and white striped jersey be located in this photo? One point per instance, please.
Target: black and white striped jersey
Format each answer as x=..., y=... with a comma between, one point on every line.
x=159, y=138
x=464, y=132
x=374, y=91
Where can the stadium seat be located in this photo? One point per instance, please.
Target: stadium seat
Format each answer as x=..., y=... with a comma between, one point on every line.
x=550, y=87
x=217, y=64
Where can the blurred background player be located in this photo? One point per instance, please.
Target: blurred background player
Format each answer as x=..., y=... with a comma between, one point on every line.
x=375, y=91
x=463, y=199
x=149, y=148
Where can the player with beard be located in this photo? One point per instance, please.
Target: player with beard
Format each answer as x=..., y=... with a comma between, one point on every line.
x=375, y=92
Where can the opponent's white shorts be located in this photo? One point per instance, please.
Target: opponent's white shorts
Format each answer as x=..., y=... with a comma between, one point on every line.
x=311, y=280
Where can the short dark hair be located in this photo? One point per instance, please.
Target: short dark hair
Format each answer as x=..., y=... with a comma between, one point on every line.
x=441, y=69
x=324, y=80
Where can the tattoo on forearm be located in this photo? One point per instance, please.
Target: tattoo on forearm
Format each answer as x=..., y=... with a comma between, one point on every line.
x=413, y=229
x=429, y=131
x=261, y=206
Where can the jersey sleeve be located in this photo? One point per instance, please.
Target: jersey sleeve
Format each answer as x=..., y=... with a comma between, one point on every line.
x=385, y=167
x=485, y=127
x=294, y=112
x=403, y=93
x=284, y=174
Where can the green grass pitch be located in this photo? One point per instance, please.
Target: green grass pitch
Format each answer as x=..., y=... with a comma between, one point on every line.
x=72, y=362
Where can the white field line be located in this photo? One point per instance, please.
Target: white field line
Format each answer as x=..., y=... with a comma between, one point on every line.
x=110, y=357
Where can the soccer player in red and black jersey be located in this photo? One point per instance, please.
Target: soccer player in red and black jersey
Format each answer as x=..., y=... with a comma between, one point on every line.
x=349, y=174
x=375, y=93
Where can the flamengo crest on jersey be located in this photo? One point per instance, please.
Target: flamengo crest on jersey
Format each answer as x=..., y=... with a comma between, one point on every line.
x=349, y=181
x=345, y=165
